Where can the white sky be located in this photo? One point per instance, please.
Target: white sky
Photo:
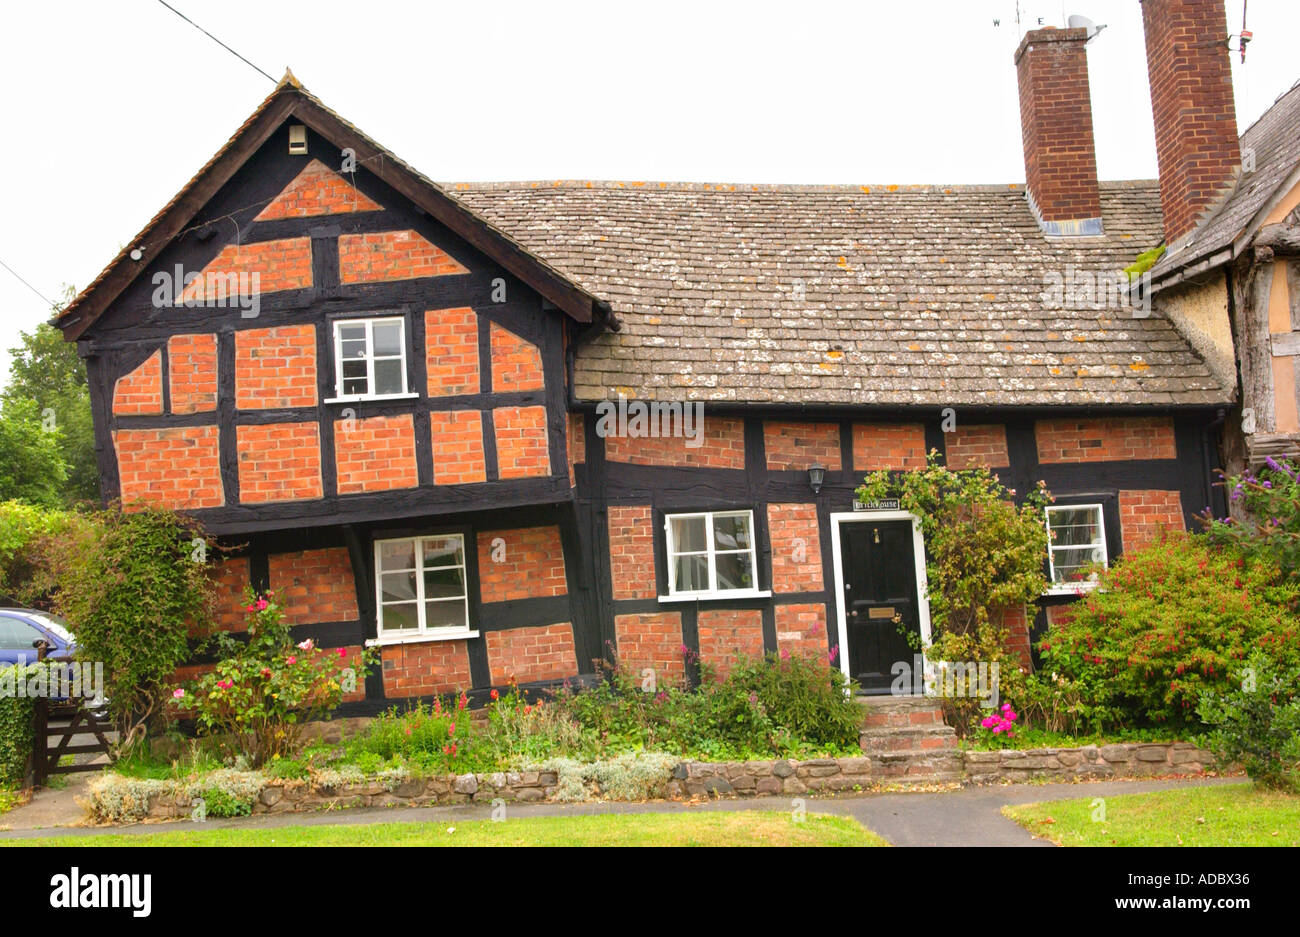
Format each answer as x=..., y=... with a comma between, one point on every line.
x=109, y=107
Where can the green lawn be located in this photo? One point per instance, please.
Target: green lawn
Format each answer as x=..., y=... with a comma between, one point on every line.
x=1231, y=815
x=644, y=829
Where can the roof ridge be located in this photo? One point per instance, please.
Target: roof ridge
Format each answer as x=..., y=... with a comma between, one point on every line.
x=789, y=188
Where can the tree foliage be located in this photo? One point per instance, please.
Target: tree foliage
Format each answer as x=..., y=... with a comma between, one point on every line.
x=48, y=378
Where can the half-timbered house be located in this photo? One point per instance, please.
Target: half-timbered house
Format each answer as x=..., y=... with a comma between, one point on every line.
x=387, y=394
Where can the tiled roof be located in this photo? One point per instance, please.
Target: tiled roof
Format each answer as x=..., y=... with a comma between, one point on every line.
x=834, y=295
x=1275, y=141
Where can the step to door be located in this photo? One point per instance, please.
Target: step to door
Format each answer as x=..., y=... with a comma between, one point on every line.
x=897, y=724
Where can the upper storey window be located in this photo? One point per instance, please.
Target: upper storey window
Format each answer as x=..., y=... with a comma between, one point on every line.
x=370, y=359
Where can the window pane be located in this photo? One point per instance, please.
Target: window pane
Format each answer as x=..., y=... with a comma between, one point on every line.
x=352, y=333
x=734, y=571
x=388, y=377
x=688, y=534
x=353, y=350
x=404, y=617
x=444, y=583
x=1074, y=527
x=18, y=636
x=396, y=587
x=354, y=386
x=1072, y=565
x=731, y=533
x=443, y=551
x=397, y=554
x=692, y=573
x=445, y=614
x=388, y=338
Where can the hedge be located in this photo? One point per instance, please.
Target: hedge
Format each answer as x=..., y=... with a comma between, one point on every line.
x=15, y=730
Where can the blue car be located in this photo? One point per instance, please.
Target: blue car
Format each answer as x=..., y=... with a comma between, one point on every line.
x=20, y=628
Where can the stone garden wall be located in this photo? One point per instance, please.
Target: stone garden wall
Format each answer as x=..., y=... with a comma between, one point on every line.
x=694, y=779
x=1129, y=760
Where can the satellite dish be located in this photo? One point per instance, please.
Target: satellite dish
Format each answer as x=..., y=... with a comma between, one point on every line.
x=1082, y=22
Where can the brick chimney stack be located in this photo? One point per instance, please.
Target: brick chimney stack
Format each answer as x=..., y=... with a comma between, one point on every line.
x=1056, y=123
x=1191, y=100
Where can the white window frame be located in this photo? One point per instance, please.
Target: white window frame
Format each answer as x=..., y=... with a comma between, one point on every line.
x=369, y=323
x=1082, y=585
x=422, y=632
x=713, y=592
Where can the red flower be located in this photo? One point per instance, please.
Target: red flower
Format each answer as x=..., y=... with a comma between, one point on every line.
x=493, y=694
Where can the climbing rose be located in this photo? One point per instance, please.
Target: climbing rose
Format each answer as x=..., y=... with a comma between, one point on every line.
x=177, y=693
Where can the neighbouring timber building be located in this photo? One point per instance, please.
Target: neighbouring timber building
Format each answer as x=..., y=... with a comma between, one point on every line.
x=385, y=390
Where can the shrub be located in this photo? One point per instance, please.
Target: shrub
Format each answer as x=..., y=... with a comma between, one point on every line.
x=132, y=589
x=984, y=553
x=1269, y=525
x=805, y=699
x=260, y=695
x=227, y=792
x=764, y=707
x=629, y=776
x=117, y=798
x=1169, y=622
x=1257, y=724
x=15, y=728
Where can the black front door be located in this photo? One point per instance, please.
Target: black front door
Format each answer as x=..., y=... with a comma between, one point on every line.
x=880, y=599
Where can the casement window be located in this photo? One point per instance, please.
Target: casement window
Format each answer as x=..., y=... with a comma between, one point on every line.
x=370, y=359
x=711, y=554
x=420, y=586
x=1076, y=540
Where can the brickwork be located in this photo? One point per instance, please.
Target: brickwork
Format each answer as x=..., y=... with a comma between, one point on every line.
x=451, y=351
x=1108, y=439
x=392, y=255
x=375, y=454
x=177, y=468
x=525, y=563
x=279, y=462
x=796, y=547
x=532, y=654
x=192, y=373
x=796, y=446
x=275, y=368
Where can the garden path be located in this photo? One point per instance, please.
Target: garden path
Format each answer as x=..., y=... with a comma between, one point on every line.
x=966, y=817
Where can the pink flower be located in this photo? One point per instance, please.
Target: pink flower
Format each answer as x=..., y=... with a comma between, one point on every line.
x=785, y=653
x=225, y=684
x=343, y=653
x=261, y=605
x=291, y=660
x=451, y=728
x=306, y=645
x=266, y=672
x=177, y=693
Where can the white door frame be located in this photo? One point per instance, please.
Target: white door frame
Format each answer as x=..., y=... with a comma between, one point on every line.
x=918, y=553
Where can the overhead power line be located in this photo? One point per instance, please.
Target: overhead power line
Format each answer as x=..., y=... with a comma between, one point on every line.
x=216, y=40
x=26, y=284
